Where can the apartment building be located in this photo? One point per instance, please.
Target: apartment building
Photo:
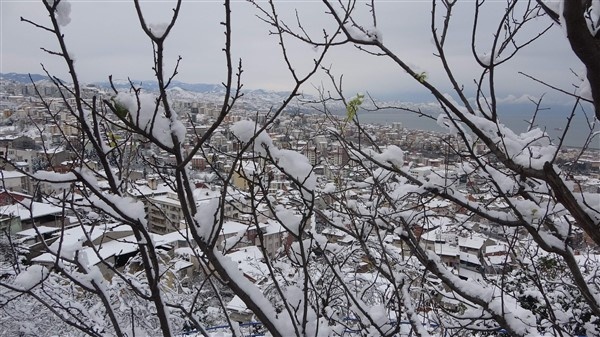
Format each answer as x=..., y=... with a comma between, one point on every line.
x=165, y=213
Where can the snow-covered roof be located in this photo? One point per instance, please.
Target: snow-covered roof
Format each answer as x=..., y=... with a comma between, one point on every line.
x=249, y=167
x=495, y=249
x=233, y=227
x=108, y=249
x=422, y=169
x=438, y=236
x=11, y=174
x=498, y=260
x=204, y=194
x=184, y=251
x=273, y=227
x=475, y=242
x=32, y=232
x=31, y=210
x=88, y=256
x=78, y=233
x=584, y=260
x=470, y=274
x=180, y=265
x=201, y=195
x=438, y=203
x=145, y=190
x=181, y=235
x=168, y=198
x=249, y=262
x=470, y=258
x=236, y=304
x=446, y=250
x=9, y=137
x=333, y=232
x=346, y=239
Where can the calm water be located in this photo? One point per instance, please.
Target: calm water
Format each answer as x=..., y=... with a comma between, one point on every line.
x=553, y=121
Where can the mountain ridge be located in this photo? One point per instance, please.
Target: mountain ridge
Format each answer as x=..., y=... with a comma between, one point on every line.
x=150, y=85
x=23, y=78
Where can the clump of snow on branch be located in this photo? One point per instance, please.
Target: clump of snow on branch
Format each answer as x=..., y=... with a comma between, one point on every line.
x=68, y=249
x=411, y=310
x=57, y=181
x=251, y=291
x=294, y=164
x=488, y=58
x=245, y=131
x=298, y=252
x=378, y=314
x=207, y=213
x=589, y=203
x=558, y=8
x=521, y=320
x=375, y=34
x=529, y=149
x=594, y=22
x=63, y=12
x=363, y=34
x=124, y=208
x=88, y=176
x=158, y=29
x=455, y=103
x=329, y=188
x=55, y=177
x=444, y=122
x=392, y=155
x=30, y=277
x=506, y=183
x=528, y=210
x=230, y=242
x=448, y=124
x=150, y=117
x=584, y=90
x=555, y=6
x=289, y=219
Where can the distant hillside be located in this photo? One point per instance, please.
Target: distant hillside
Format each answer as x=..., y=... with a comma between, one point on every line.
x=259, y=99
x=22, y=78
x=153, y=85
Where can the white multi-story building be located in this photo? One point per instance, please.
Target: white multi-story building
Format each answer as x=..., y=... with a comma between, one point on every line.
x=165, y=213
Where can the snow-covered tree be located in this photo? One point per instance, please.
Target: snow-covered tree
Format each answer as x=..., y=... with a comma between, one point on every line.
x=491, y=242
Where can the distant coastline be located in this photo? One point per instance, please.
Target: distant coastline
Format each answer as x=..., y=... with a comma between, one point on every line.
x=552, y=123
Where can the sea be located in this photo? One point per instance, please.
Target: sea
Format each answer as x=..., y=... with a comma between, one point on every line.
x=553, y=121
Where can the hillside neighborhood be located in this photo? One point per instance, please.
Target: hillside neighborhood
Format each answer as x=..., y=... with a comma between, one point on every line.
x=35, y=144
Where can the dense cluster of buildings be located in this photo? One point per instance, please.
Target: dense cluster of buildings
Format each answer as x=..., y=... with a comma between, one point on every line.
x=38, y=135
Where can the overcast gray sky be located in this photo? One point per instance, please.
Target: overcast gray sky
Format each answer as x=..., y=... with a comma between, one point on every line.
x=105, y=39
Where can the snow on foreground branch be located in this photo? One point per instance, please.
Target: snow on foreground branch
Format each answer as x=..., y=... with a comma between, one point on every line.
x=292, y=163
x=146, y=113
